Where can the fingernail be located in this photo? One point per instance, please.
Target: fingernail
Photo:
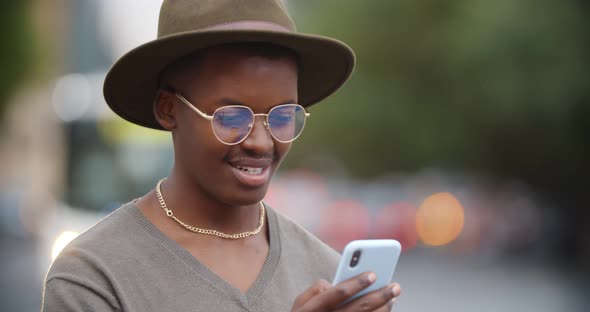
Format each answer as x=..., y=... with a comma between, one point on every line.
x=396, y=290
x=372, y=277
x=393, y=300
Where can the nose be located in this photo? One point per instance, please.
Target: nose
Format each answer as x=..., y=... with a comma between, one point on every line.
x=259, y=141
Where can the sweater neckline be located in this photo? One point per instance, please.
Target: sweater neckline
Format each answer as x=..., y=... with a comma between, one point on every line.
x=249, y=299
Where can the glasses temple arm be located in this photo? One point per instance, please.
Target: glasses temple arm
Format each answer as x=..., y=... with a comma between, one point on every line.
x=191, y=106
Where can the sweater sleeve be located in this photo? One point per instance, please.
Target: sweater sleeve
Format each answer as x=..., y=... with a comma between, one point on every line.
x=67, y=295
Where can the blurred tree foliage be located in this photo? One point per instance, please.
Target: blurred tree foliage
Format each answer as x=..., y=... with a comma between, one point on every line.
x=467, y=83
x=492, y=87
x=16, y=54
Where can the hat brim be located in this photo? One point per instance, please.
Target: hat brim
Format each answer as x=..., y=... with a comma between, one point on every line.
x=131, y=84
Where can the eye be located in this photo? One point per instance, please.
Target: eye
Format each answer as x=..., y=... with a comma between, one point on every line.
x=281, y=116
x=233, y=117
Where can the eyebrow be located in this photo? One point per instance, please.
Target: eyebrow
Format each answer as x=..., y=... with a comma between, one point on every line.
x=228, y=101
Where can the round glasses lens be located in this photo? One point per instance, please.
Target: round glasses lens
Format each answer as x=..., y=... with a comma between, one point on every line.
x=232, y=124
x=286, y=122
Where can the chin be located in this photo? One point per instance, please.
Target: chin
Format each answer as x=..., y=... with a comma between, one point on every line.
x=247, y=197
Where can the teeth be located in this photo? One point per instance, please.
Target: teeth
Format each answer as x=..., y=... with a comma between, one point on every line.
x=250, y=170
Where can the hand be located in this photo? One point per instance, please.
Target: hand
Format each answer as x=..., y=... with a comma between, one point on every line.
x=323, y=297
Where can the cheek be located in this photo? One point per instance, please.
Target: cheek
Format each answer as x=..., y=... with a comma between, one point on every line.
x=195, y=143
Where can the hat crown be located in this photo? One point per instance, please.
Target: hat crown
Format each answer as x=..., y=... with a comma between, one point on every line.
x=186, y=26
x=178, y=16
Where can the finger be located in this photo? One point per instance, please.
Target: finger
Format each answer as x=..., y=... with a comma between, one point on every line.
x=397, y=289
x=388, y=306
x=379, y=299
x=339, y=293
x=315, y=289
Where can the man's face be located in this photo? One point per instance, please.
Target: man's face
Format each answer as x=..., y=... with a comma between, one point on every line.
x=238, y=174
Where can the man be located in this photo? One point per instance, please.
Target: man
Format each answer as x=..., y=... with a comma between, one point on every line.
x=230, y=80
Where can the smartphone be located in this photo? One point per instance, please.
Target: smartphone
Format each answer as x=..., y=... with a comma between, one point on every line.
x=376, y=255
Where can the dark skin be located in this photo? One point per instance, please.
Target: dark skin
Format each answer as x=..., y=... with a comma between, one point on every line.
x=203, y=190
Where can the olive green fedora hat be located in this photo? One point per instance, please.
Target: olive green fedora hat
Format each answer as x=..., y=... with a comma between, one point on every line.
x=186, y=26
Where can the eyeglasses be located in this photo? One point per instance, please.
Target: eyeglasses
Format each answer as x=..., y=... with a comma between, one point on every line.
x=233, y=123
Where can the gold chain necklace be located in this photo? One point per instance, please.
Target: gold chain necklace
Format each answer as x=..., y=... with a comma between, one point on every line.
x=191, y=228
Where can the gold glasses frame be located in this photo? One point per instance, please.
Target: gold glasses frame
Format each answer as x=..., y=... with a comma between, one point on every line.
x=251, y=125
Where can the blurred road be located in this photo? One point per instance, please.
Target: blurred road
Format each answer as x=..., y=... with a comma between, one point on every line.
x=20, y=287
x=440, y=283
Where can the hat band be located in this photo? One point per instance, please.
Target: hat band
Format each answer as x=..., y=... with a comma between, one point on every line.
x=249, y=25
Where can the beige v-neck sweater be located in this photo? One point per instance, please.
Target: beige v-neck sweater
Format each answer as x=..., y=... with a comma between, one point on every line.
x=124, y=263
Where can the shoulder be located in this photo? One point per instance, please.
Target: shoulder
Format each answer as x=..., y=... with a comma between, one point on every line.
x=82, y=273
x=94, y=250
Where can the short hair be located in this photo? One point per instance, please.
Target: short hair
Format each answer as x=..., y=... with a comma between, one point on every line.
x=262, y=49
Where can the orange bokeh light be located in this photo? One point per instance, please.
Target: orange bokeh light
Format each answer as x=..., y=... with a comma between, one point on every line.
x=439, y=219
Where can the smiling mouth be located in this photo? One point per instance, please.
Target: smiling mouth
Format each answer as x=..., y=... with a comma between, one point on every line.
x=250, y=170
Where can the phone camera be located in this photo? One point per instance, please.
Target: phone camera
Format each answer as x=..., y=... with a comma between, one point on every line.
x=355, y=258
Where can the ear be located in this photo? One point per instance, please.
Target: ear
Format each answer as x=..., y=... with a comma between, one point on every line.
x=165, y=109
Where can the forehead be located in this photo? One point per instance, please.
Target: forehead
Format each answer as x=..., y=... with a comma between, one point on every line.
x=244, y=75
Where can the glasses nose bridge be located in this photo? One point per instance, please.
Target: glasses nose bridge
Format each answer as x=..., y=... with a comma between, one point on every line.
x=267, y=133
x=264, y=122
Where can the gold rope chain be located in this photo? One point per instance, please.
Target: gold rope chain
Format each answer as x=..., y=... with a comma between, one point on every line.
x=191, y=228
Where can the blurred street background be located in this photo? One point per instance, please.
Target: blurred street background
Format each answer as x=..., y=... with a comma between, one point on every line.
x=464, y=133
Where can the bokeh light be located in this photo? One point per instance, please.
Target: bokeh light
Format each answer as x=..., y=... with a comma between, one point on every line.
x=61, y=242
x=396, y=221
x=342, y=222
x=439, y=219
x=312, y=178
x=286, y=195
